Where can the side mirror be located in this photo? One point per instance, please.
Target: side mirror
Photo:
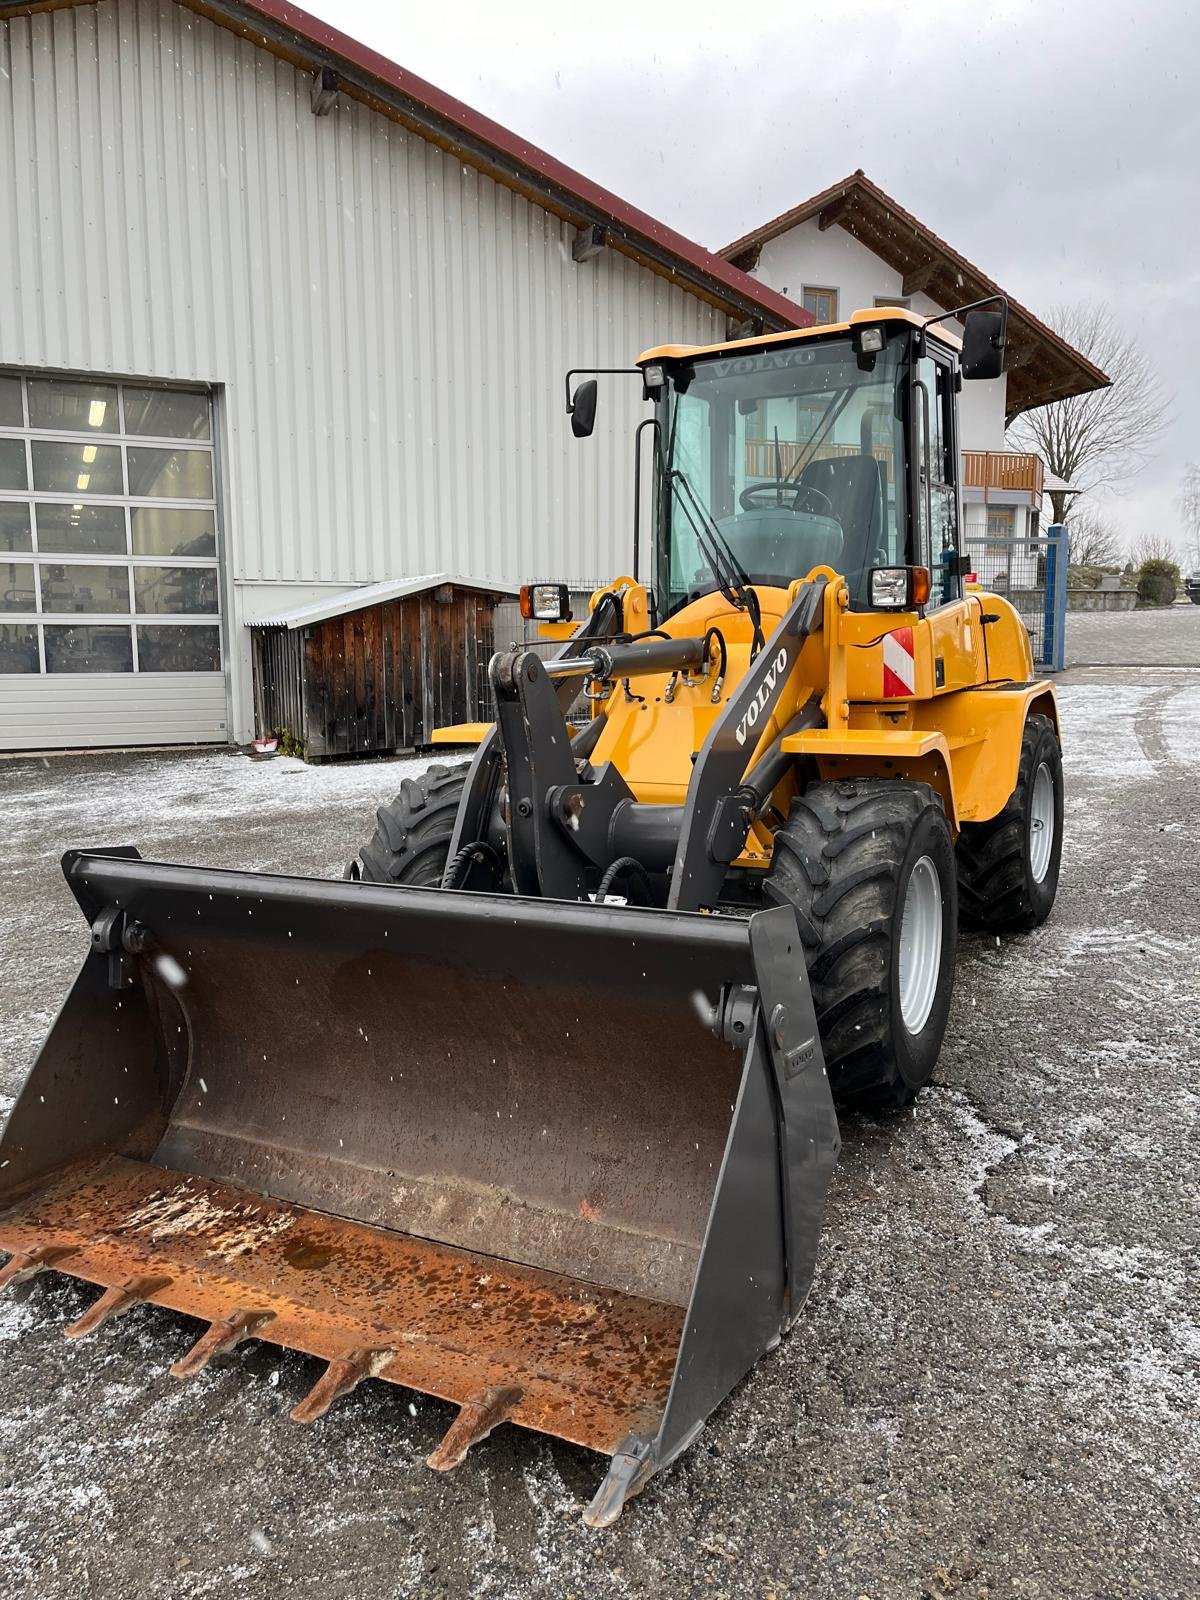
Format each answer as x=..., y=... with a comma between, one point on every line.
x=583, y=409
x=984, y=332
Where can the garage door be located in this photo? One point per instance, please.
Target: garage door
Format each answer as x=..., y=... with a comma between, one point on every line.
x=110, y=614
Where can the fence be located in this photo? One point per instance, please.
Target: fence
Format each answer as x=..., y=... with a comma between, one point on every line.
x=1030, y=573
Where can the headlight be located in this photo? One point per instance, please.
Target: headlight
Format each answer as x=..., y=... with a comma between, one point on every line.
x=545, y=602
x=889, y=587
x=899, y=588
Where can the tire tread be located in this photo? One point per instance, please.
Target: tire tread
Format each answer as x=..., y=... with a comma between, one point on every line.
x=837, y=862
x=412, y=835
x=994, y=894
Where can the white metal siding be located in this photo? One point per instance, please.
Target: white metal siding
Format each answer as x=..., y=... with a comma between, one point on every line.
x=90, y=710
x=389, y=327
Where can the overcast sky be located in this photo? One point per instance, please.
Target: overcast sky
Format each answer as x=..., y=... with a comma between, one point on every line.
x=1056, y=146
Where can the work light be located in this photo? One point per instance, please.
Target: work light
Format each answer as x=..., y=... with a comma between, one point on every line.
x=899, y=588
x=545, y=602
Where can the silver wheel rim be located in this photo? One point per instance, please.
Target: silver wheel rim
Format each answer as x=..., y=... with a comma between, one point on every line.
x=1041, y=823
x=920, y=944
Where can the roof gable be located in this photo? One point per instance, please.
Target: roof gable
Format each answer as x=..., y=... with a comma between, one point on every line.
x=1042, y=367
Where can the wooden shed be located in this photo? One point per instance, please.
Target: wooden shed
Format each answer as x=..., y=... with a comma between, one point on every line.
x=376, y=669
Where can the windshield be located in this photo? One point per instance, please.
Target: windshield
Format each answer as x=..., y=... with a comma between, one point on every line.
x=796, y=455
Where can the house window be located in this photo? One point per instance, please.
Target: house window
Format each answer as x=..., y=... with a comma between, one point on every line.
x=823, y=303
x=108, y=528
x=902, y=302
x=1001, y=522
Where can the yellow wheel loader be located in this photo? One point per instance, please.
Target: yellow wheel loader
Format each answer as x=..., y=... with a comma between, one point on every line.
x=536, y=1113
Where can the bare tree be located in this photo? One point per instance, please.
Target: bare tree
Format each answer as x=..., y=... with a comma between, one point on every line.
x=1093, y=541
x=1100, y=439
x=1189, y=514
x=1152, y=547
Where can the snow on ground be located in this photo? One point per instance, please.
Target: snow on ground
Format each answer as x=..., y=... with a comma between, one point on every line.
x=1128, y=731
x=195, y=790
x=990, y=1394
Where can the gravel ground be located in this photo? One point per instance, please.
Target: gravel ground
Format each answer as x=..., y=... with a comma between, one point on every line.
x=1167, y=638
x=992, y=1391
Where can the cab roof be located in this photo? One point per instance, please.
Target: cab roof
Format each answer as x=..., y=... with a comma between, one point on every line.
x=877, y=314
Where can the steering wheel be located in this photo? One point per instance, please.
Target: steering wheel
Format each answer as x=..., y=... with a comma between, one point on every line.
x=766, y=496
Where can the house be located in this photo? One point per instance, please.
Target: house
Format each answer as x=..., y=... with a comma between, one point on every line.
x=281, y=320
x=852, y=246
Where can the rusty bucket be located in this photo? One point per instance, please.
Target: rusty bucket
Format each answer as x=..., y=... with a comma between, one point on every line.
x=561, y=1164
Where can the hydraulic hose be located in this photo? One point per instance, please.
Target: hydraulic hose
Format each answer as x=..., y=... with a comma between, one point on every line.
x=625, y=865
x=456, y=870
x=715, y=633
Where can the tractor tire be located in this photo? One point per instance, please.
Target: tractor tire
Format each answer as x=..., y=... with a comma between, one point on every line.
x=1008, y=866
x=411, y=843
x=868, y=866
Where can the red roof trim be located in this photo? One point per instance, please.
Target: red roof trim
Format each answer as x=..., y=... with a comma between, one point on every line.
x=554, y=174
x=645, y=237
x=806, y=210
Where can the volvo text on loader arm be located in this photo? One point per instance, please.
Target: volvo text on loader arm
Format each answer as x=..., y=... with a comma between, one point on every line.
x=535, y=1113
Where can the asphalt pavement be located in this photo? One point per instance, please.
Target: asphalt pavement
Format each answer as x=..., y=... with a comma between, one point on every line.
x=993, y=1389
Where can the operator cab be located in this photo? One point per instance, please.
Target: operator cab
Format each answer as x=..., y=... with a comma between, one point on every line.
x=832, y=447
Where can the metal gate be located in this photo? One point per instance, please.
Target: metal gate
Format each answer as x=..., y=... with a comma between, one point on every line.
x=1031, y=573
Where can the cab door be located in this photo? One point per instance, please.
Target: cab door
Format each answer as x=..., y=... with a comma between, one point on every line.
x=959, y=659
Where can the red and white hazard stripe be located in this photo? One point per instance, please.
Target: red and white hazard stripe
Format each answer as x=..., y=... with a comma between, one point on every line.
x=899, y=665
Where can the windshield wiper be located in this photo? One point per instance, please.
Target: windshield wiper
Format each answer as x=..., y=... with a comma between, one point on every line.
x=832, y=412
x=732, y=578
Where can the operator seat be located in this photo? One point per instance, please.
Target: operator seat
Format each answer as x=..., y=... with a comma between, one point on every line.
x=855, y=488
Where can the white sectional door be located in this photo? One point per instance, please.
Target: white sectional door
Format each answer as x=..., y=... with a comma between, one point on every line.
x=110, y=600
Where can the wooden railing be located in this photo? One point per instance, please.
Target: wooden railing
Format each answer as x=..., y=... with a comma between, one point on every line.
x=760, y=456
x=1010, y=470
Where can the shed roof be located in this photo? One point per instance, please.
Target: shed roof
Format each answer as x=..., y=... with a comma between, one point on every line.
x=362, y=73
x=1042, y=366
x=374, y=594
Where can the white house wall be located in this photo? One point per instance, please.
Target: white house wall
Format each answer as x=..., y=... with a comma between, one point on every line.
x=386, y=330
x=834, y=259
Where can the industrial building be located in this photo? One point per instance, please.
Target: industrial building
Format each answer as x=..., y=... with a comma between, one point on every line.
x=280, y=319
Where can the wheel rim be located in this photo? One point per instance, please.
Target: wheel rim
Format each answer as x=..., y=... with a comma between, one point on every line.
x=1041, y=823
x=920, y=944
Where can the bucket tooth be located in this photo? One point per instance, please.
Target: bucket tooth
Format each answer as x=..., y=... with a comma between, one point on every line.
x=26, y=1264
x=115, y=1302
x=631, y=1469
x=218, y=1339
x=479, y=1415
x=343, y=1374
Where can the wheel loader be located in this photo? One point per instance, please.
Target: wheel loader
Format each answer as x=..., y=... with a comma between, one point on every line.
x=534, y=1111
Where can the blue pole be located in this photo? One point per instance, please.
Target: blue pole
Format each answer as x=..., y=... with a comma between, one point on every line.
x=1060, y=636
x=1054, y=615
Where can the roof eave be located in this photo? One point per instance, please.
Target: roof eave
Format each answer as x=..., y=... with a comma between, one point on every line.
x=835, y=206
x=383, y=85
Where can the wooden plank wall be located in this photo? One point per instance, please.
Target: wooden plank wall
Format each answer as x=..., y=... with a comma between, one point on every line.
x=384, y=677
x=278, y=681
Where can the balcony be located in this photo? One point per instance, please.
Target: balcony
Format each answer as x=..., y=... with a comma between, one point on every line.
x=1007, y=471
x=761, y=458
x=1011, y=471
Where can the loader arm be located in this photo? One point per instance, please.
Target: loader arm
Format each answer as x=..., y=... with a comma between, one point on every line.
x=558, y=825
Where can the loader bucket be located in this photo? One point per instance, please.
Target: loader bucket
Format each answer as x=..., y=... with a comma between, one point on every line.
x=561, y=1164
